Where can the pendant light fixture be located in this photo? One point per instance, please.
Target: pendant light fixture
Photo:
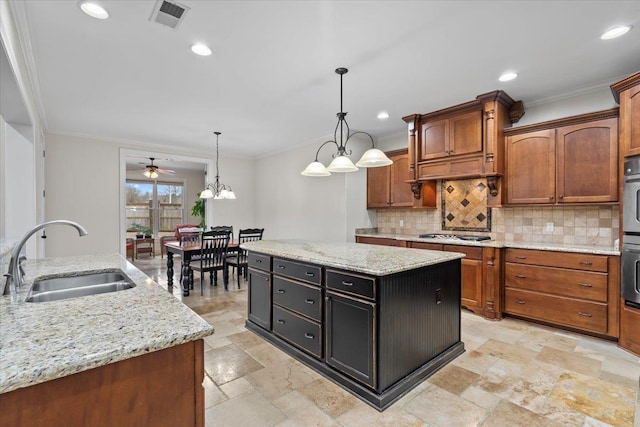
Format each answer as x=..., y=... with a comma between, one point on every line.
x=216, y=189
x=341, y=163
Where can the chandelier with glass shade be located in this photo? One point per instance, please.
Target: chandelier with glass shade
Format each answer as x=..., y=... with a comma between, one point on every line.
x=217, y=190
x=341, y=162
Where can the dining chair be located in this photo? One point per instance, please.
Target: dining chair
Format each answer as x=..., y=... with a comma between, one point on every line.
x=240, y=259
x=213, y=249
x=130, y=248
x=189, y=238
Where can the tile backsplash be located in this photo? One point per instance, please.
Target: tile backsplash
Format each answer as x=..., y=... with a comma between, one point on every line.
x=572, y=225
x=464, y=205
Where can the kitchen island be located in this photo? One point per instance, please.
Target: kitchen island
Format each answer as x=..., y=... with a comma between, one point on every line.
x=376, y=320
x=132, y=357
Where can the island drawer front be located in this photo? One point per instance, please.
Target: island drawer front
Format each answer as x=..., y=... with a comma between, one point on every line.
x=307, y=272
x=587, y=315
x=259, y=261
x=558, y=281
x=298, y=297
x=471, y=252
x=558, y=259
x=352, y=284
x=297, y=330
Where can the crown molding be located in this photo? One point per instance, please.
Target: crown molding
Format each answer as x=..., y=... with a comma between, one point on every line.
x=572, y=94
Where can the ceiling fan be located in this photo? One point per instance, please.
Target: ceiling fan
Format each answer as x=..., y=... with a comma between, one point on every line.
x=152, y=171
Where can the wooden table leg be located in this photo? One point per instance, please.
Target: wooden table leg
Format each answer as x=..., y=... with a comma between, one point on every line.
x=170, y=268
x=185, y=277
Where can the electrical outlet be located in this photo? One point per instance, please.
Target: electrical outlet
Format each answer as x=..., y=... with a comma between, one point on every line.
x=549, y=226
x=401, y=223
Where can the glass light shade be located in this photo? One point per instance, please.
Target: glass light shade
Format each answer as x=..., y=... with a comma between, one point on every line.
x=342, y=164
x=231, y=195
x=315, y=169
x=373, y=158
x=206, y=194
x=150, y=174
x=94, y=10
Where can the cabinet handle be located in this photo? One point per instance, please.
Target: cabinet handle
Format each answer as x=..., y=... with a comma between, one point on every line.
x=347, y=283
x=519, y=301
x=583, y=314
x=281, y=267
x=282, y=322
x=550, y=197
x=259, y=261
x=309, y=301
x=561, y=197
x=308, y=336
x=521, y=257
x=281, y=291
x=585, y=285
x=309, y=274
x=520, y=276
x=586, y=263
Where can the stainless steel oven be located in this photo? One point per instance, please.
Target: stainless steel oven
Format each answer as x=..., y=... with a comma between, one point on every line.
x=631, y=269
x=630, y=287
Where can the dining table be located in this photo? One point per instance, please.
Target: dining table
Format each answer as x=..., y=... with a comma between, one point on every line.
x=187, y=252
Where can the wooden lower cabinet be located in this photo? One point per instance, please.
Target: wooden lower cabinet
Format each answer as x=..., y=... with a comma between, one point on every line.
x=629, y=328
x=381, y=241
x=573, y=290
x=162, y=388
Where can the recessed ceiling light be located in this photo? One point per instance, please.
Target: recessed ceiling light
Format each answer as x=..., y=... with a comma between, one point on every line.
x=508, y=76
x=200, y=49
x=383, y=115
x=614, y=32
x=94, y=10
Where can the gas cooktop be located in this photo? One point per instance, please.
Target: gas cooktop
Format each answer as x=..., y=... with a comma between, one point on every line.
x=454, y=237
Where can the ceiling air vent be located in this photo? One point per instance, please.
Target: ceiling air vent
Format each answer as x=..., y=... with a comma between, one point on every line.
x=169, y=14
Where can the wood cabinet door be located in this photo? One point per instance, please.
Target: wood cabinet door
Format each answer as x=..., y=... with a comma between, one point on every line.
x=349, y=334
x=531, y=168
x=465, y=134
x=434, y=139
x=630, y=119
x=378, y=187
x=471, y=282
x=587, y=162
x=400, y=193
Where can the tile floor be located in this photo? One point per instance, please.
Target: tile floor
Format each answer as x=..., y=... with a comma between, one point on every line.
x=513, y=373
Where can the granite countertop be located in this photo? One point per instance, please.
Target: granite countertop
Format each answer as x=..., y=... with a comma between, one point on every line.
x=368, y=259
x=559, y=247
x=48, y=340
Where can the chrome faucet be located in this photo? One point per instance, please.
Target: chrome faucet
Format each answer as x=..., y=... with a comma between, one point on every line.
x=15, y=272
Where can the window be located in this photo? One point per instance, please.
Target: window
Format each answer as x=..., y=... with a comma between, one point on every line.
x=153, y=207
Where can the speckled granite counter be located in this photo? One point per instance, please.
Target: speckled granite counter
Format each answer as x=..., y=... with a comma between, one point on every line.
x=48, y=340
x=374, y=260
x=6, y=247
x=597, y=250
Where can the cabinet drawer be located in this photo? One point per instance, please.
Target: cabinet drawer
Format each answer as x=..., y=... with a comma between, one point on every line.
x=298, y=297
x=424, y=245
x=581, y=314
x=558, y=281
x=259, y=261
x=470, y=251
x=308, y=273
x=450, y=168
x=297, y=330
x=356, y=285
x=558, y=259
x=380, y=241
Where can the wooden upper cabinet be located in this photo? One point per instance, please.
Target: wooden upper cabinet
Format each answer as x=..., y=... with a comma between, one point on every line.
x=454, y=136
x=627, y=93
x=387, y=186
x=378, y=187
x=576, y=163
x=587, y=162
x=400, y=191
x=531, y=168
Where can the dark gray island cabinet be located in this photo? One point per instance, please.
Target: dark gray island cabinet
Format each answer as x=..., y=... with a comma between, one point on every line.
x=376, y=320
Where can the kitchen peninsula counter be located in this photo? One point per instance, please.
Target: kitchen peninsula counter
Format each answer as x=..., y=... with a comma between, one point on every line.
x=48, y=343
x=376, y=320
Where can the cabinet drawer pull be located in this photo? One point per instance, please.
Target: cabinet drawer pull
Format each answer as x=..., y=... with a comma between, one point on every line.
x=520, y=276
x=520, y=257
x=309, y=301
x=259, y=261
x=309, y=274
x=550, y=197
x=281, y=291
x=308, y=336
x=561, y=197
x=282, y=322
x=585, y=285
x=519, y=301
x=583, y=314
x=586, y=263
x=347, y=283
x=281, y=267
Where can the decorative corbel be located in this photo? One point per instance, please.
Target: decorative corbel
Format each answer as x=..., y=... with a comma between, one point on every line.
x=492, y=183
x=516, y=111
x=416, y=189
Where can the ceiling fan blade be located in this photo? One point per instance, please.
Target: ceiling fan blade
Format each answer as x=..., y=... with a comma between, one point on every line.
x=166, y=171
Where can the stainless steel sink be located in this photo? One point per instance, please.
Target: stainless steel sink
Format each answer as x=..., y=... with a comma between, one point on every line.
x=57, y=288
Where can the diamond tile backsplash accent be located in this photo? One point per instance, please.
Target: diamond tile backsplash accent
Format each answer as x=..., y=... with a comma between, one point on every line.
x=464, y=204
x=573, y=225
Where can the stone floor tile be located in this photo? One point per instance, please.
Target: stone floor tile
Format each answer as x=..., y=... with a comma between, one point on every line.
x=267, y=354
x=212, y=394
x=480, y=397
x=291, y=403
x=438, y=407
x=363, y=415
x=453, y=379
x=237, y=388
x=279, y=379
x=621, y=367
x=245, y=340
x=506, y=351
x=228, y=363
x=333, y=400
x=570, y=360
x=248, y=410
x=509, y=414
x=497, y=382
x=310, y=416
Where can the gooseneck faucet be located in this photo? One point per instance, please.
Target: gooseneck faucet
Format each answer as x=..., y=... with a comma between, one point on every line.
x=14, y=275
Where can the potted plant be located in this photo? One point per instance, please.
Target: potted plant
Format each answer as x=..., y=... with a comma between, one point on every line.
x=198, y=210
x=141, y=231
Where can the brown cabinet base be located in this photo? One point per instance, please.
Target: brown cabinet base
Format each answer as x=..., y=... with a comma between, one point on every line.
x=162, y=388
x=629, y=328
